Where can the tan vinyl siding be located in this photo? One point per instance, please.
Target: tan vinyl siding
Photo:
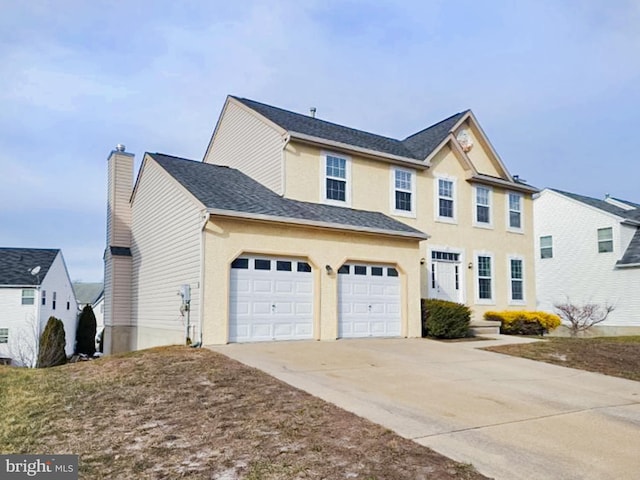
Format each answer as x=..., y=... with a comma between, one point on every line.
x=167, y=229
x=121, y=290
x=244, y=141
x=120, y=180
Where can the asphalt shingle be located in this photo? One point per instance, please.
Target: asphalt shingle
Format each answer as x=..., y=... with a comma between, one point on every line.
x=225, y=188
x=602, y=205
x=632, y=254
x=16, y=265
x=415, y=147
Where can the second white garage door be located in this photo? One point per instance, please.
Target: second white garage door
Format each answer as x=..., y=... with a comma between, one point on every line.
x=368, y=301
x=270, y=299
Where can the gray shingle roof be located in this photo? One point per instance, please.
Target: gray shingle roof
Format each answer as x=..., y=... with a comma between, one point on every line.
x=16, y=265
x=632, y=254
x=225, y=188
x=602, y=205
x=415, y=147
x=87, y=293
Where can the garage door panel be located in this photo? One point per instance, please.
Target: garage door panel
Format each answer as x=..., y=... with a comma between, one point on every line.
x=270, y=299
x=369, y=303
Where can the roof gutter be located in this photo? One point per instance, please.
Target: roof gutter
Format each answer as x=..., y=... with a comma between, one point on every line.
x=302, y=137
x=314, y=223
x=487, y=180
x=628, y=265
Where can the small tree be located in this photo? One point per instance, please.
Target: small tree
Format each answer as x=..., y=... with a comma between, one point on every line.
x=52, y=344
x=86, y=333
x=582, y=317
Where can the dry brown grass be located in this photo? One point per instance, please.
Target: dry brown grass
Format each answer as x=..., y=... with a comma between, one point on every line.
x=616, y=356
x=175, y=412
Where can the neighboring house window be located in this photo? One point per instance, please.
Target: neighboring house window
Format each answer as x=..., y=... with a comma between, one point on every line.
x=336, y=178
x=68, y=305
x=517, y=279
x=403, y=191
x=483, y=205
x=4, y=335
x=53, y=303
x=446, y=199
x=44, y=297
x=28, y=296
x=546, y=246
x=515, y=211
x=485, y=288
x=605, y=240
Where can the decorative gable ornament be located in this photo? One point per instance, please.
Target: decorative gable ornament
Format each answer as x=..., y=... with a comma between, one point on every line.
x=465, y=140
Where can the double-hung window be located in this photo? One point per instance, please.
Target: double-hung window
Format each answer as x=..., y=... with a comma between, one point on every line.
x=515, y=211
x=446, y=199
x=28, y=296
x=4, y=335
x=517, y=280
x=546, y=246
x=605, y=240
x=403, y=187
x=336, y=188
x=485, y=278
x=483, y=206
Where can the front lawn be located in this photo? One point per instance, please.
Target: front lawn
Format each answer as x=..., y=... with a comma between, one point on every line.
x=175, y=412
x=617, y=356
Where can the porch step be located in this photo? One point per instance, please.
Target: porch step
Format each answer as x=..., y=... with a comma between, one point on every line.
x=485, y=327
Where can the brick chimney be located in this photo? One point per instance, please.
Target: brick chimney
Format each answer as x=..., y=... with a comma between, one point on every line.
x=119, y=333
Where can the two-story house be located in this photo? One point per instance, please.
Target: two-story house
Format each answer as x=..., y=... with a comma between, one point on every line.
x=34, y=285
x=296, y=228
x=588, y=251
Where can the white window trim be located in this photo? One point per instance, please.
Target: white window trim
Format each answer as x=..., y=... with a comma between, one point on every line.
x=476, y=278
x=4, y=336
x=509, y=278
x=508, y=212
x=392, y=195
x=436, y=192
x=598, y=241
x=540, y=247
x=323, y=179
x=476, y=223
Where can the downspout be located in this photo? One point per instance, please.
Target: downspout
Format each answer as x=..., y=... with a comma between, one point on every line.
x=203, y=226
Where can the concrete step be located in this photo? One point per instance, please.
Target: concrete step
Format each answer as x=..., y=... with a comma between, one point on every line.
x=485, y=327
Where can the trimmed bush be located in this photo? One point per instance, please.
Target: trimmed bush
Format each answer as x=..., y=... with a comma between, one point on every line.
x=52, y=342
x=522, y=322
x=86, y=333
x=443, y=319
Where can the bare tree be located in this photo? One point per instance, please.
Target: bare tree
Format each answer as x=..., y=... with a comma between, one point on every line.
x=582, y=317
x=23, y=348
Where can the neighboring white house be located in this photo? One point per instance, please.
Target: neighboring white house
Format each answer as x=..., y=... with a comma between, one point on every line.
x=91, y=294
x=588, y=250
x=34, y=285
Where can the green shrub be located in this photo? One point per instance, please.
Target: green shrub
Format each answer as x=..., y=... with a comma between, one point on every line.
x=52, y=343
x=86, y=333
x=522, y=322
x=443, y=319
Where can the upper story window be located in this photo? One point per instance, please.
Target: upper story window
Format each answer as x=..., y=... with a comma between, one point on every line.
x=483, y=206
x=446, y=199
x=403, y=188
x=515, y=211
x=605, y=240
x=336, y=179
x=28, y=296
x=546, y=246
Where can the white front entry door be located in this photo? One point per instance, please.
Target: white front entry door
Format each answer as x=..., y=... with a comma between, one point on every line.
x=444, y=281
x=368, y=301
x=270, y=299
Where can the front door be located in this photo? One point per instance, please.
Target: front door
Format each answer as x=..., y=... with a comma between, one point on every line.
x=445, y=276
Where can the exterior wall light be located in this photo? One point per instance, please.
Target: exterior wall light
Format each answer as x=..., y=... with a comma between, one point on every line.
x=329, y=269
x=470, y=265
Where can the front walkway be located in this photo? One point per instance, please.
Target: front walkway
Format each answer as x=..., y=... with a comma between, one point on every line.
x=511, y=418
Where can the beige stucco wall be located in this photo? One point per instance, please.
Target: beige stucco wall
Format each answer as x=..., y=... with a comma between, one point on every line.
x=226, y=239
x=371, y=189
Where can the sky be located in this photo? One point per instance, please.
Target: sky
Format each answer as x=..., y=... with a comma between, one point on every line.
x=555, y=84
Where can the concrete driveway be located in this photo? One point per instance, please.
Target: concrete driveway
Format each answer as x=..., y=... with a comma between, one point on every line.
x=511, y=418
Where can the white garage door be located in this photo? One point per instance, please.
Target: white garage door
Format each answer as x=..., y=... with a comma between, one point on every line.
x=368, y=301
x=270, y=299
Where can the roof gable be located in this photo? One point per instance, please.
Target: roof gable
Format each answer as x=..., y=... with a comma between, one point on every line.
x=423, y=143
x=226, y=189
x=16, y=265
x=633, y=215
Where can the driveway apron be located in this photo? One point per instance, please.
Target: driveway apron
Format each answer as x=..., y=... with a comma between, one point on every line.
x=509, y=417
